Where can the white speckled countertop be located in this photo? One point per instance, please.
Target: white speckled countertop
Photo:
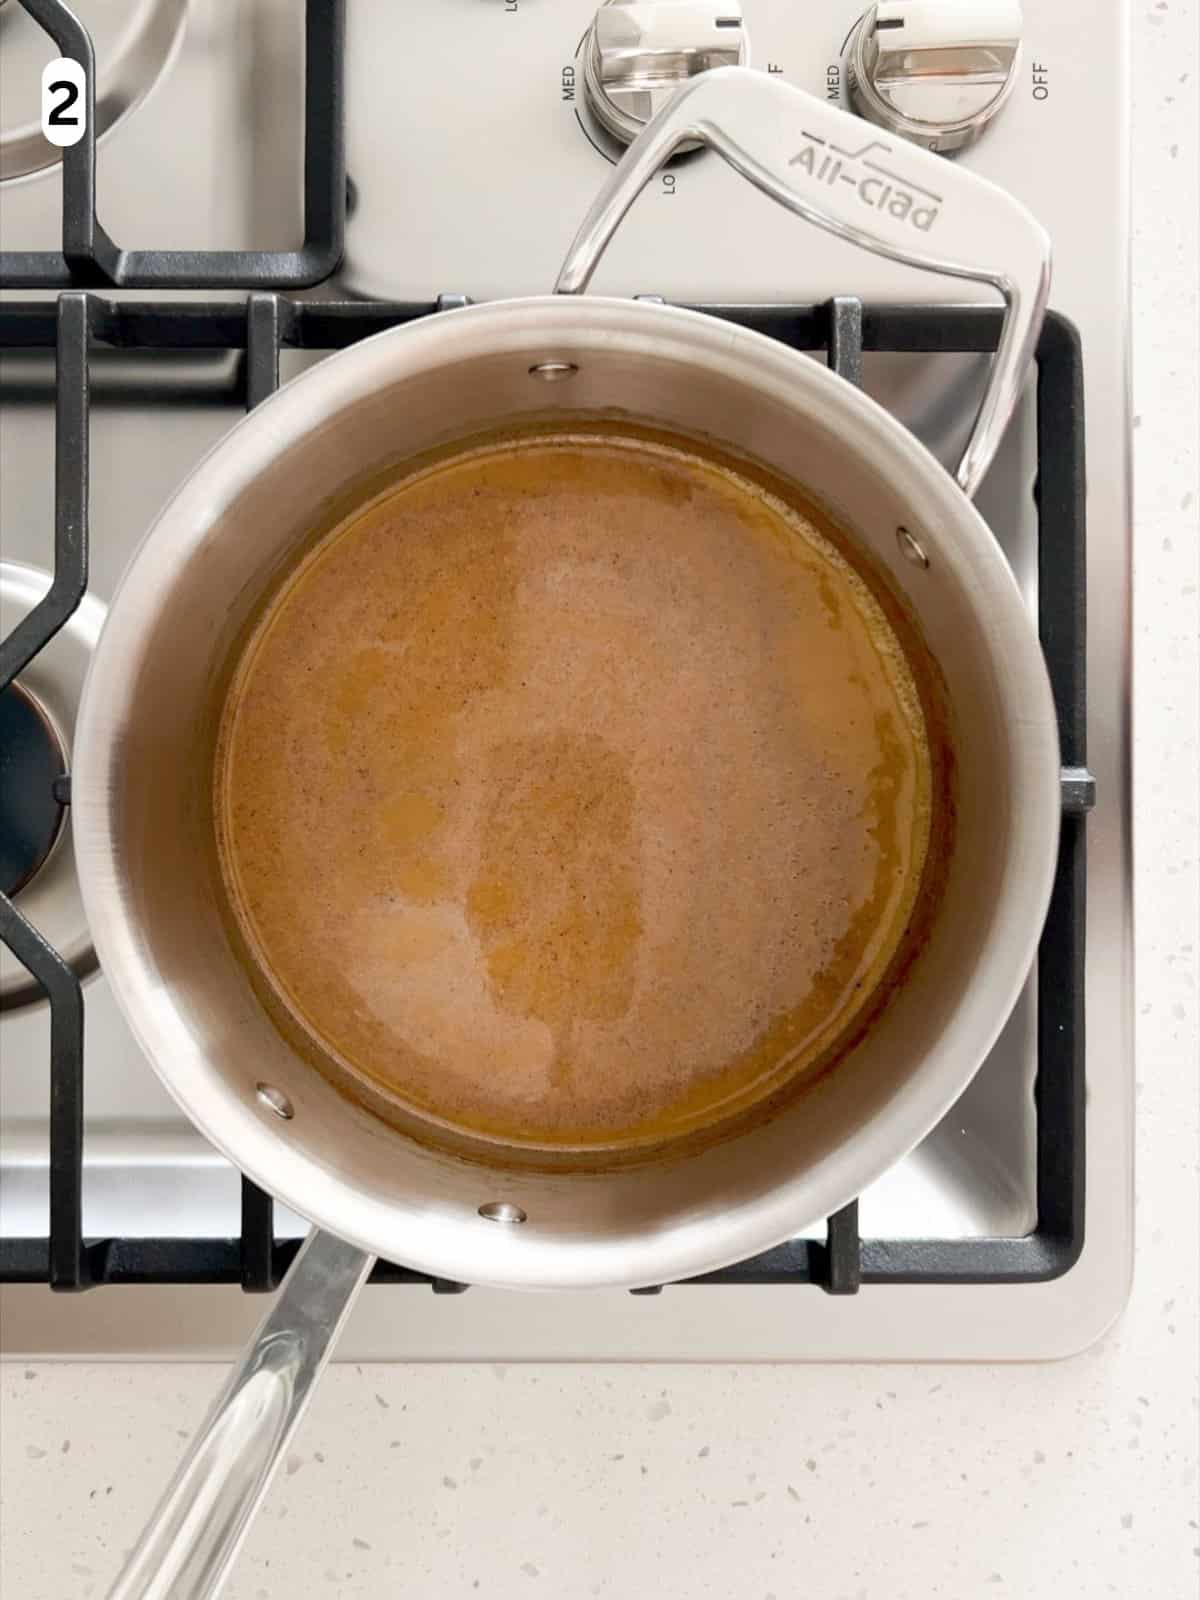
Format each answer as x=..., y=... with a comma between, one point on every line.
x=840, y=1483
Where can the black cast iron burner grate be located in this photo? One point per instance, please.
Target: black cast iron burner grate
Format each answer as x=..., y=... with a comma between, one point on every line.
x=260, y=326
x=90, y=258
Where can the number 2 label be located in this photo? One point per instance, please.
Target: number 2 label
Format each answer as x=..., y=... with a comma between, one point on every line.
x=64, y=102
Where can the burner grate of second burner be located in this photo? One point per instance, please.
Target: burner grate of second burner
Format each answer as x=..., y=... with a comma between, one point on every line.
x=91, y=259
x=843, y=328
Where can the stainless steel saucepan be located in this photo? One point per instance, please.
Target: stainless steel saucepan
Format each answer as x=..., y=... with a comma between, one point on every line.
x=142, y=776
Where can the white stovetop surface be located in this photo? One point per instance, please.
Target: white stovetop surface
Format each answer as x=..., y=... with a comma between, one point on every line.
x=1076, y=1479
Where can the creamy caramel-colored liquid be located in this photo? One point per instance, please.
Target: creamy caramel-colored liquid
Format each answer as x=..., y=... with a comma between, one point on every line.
x=575, y=792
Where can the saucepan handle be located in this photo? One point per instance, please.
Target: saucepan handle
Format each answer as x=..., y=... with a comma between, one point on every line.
x=198, y=1526
x=865, y=185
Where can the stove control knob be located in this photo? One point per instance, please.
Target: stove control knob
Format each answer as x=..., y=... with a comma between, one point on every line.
x=638, y=52
x=934, y=71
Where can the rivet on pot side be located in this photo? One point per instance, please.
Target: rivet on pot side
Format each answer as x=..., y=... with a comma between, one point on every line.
x=910, y=549
x=502, y=1211
x=275, y=1101
x=553, y=371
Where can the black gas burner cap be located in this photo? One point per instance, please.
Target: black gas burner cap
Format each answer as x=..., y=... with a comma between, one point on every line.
x=31, y=767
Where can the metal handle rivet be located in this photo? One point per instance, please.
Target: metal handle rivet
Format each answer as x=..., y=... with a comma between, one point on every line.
x=502, y=1211
x=910, y=549
x=553, y=371
x=275, y=1100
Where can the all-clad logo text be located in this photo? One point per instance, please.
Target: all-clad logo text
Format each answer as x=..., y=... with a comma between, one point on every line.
x=866, y=171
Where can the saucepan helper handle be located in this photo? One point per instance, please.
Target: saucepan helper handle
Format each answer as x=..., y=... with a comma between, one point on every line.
x=853, y=179
x=198, y=1526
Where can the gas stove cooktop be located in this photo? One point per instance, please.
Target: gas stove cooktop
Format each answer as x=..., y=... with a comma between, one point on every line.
x=150, y=296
